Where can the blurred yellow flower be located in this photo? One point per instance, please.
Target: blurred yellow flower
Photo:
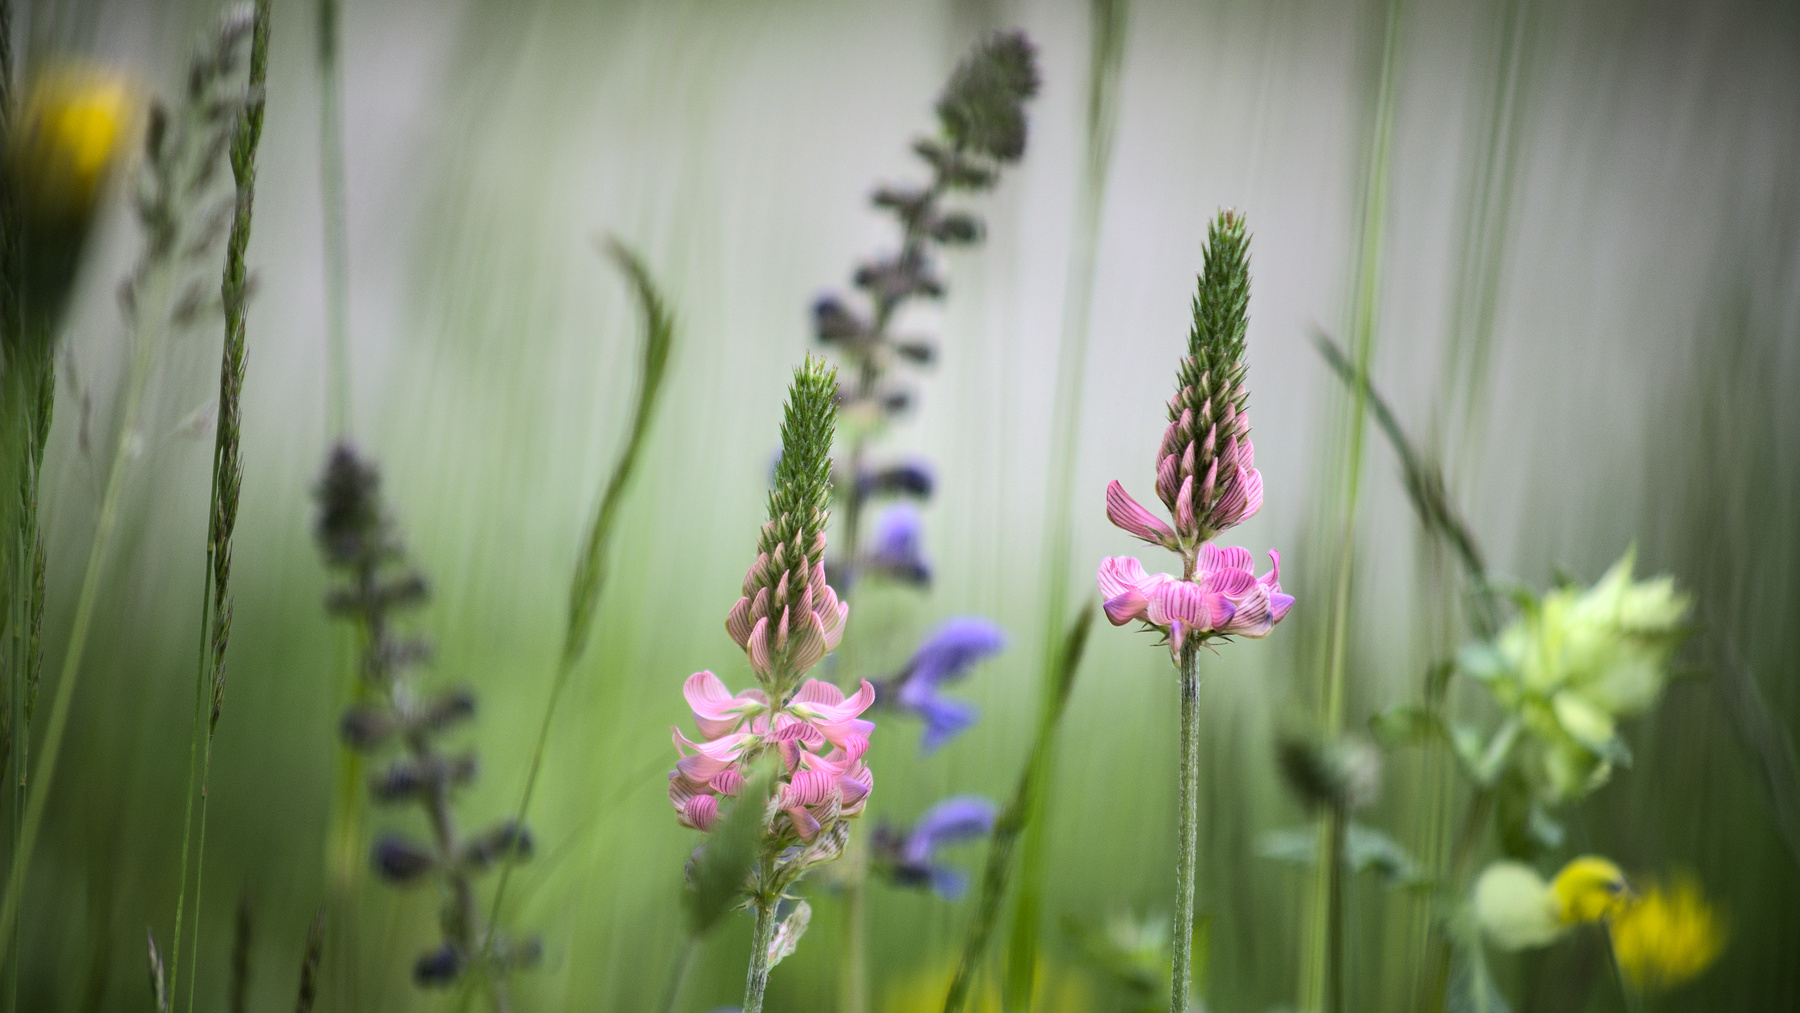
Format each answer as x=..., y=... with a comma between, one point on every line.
x=1057, y=992
x=1668, y=936
x=68, y=136
x=73, y=125
x=1518, y=910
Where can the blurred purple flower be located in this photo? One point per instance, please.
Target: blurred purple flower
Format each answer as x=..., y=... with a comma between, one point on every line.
x=909, y=858
x=945, y=657
x=898, y=551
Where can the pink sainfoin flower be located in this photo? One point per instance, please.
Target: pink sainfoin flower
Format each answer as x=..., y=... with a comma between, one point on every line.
x=786, y=622
x=1205, y=474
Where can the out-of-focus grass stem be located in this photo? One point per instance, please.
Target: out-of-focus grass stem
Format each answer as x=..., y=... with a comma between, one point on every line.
x=227, y=479
x=590, y=567
x=1316, y=992
x=147, y=341
x=1014, y=818
x=336, y=214
x=1109, y=20
x=678, y=973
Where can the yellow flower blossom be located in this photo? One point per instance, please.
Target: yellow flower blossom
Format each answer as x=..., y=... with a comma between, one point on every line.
x=1668, y=936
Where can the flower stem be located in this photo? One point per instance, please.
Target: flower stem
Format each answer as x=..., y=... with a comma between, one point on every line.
x=678, y=973
x=110, y=500
x=1187, y=855
x=758, y=979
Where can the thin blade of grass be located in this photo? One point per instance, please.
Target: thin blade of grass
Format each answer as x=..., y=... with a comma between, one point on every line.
x=590, y=566
x=1020, y=812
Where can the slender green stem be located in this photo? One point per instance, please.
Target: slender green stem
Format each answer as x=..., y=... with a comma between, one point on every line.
x=678, y=973
x=110, y=501
x=1108, y=23
x=1337, y=824
x=1187, y=854
x=757, y=980
x=187, y=815
x=1013, y=820
x=337, y=242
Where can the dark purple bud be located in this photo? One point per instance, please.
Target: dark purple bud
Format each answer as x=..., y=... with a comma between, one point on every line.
x=349, y=526
x=911, y=478
x=833, y=321
x=921, y=352
x=399, y=861
x=453, y=707
x=957, y=229
x=365, y=728
x=508, y=839
x=895, y=401
x=402, y=780
x=438, y=968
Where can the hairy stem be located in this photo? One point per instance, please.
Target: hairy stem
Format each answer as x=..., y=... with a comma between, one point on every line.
x=757, y=979
x=1187, y=854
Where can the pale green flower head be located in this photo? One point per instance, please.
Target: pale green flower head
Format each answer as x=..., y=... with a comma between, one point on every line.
x=1575, y=662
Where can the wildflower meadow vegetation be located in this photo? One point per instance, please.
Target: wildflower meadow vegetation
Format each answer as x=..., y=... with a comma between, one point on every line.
x=604, y=608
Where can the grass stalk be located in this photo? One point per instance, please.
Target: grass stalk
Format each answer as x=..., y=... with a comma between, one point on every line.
x=678, y=973
x=1108, y=20
x=337, y=229
x=227, y=479
x=590, y=566
x=88, y=598
x=1014, y=818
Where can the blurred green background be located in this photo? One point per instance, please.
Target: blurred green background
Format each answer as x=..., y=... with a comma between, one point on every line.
x=1587, y=303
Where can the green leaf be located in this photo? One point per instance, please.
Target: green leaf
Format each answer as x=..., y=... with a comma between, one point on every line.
x=1406, y=725
x=724, y=862
x=1366, y=849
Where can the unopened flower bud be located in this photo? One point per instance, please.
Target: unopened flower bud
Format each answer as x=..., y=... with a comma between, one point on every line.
x=398, y=860
x=438, y=968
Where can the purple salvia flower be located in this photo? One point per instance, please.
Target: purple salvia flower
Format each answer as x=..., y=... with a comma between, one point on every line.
x=910, y=858
x=945, y=657
x=897, y=550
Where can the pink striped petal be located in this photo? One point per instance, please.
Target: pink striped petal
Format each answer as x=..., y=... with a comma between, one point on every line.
x=1125, y=607
x=1278, y=605
x=1272, y=579
x=758, y=646
x=1131, y=517
x=716, y=711
x=1168, y=480
x=1119, y=574
x=738, y=623
x=804, y=823
x=1232, y=557
x=701, y=812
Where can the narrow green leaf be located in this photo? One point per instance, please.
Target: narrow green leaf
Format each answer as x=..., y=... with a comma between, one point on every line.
x=724, y=862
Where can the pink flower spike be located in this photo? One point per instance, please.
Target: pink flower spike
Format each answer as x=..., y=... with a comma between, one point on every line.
x=716, y=711
x=1127, y=514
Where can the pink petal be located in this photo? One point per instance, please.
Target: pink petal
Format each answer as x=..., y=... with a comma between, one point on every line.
x=737, y=621
x=716, y=711
x=1214, y=557
x=728, y=781
x=812, y=691
x=1233, y=584
x=1272, y=579
x=701, y=812
x=1184, y=505
x=758, y=646
x=804, y=823
x=1278, y=605
x=1128, y=515
x=1119, y=574
x=808, y=788
x=1168, y=479
x=1125, y=607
